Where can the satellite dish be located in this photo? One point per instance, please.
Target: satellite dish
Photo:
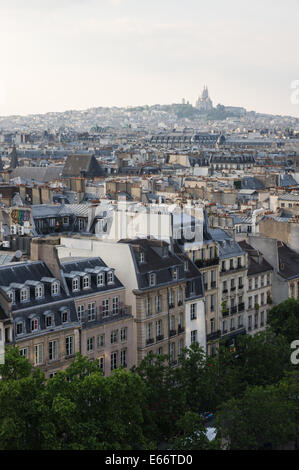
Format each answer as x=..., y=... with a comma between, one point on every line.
x=18, y=254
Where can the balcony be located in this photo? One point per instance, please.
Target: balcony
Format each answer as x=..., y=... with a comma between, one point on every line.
x=213, y=285
x=241, y=307
x=160, y=338
x=150, y=341
x=172, y=332
x=233, y=310
x=241, y=286
x=181, y=329
x=171, y=305
x=214, y=336
x=232, y=289
x=180, y=303
x=204, y=263
x=225, y=291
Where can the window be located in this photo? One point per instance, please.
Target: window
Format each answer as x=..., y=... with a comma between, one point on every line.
x=85, y=282
x=232, y=324
x=149, y=330
x=256, y=282
x=114, y=336
x=52, y=222
x=110, y=277
x=69, y=345
x=170, y=298
x=186, y=266
x=212, y=325
x=224, y=327
x=249, y=302
x=240, y=321
x=102, y=364
x=113, y=359
x=159, y=328
x=123, y=334
x=158, y=303
x=115, y=308
x=152, y=279
x=181, y=347
x=175, y=274
x=11, y=296
x=212, y=303
x=180, y=296
x=249, y=284
x=160, y=351
x=55, y=288
x=75, y=284
x=48, y=321
x=80, y=312
x=105, y=308
x=100, y=280
x=34, y=324
x=148, y=306
x=24, y=295
x=38, y=354
x=240, y=282
x=38, y=292
x=193, y=336
x=101, y=341
x=64, y=316
x=249, y=322
x=53, y=350
x=172, y=352
x=141, y=257
x=193, y=313
x=19, y=328
x=91, y=309
x=89, y=345
x=123, y=358
x=24, y=352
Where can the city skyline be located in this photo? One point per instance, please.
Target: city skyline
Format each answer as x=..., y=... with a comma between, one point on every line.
x=82, y=54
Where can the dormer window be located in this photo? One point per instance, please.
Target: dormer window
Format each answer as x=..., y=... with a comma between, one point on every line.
x=19, y=328
x=38, y=292
x=100, y=280
x=152, y=279
x=55, y=288
x=64, y=316
x=49, y=321
x=165, y=251
x=85, y=282
x=141, y=257
x=186, y=266
x=34, y=324
x=11, y=295
x=175, y=274
x=75, y=284
x=24, y=295
x=110, y=277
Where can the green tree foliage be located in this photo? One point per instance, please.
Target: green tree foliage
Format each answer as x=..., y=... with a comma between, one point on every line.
x=284, y=319
x=77, y=409
x=263, y=417
x=191, y=434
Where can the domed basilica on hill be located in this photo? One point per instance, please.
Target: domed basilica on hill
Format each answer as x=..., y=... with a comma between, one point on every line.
x=204, y=102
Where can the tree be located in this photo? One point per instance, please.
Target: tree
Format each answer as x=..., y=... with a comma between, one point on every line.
x=192, y=434
x=284, y=319
x=263, y=417
x=165, y=396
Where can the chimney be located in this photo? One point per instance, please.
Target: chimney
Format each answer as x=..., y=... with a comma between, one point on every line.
x=45, y=250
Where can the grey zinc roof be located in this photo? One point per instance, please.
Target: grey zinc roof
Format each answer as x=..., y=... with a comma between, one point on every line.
x=228, y=247
x=41, y=174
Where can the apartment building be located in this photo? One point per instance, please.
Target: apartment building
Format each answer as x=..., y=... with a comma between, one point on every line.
x=106, y=322
x=259, y=289
x=160, y=282
x=38, y=316
x=232, y=286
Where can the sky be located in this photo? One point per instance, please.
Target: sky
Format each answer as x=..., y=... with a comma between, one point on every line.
x=57, y=55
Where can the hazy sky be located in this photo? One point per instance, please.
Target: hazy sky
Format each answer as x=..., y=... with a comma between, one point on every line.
x=75, y=54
